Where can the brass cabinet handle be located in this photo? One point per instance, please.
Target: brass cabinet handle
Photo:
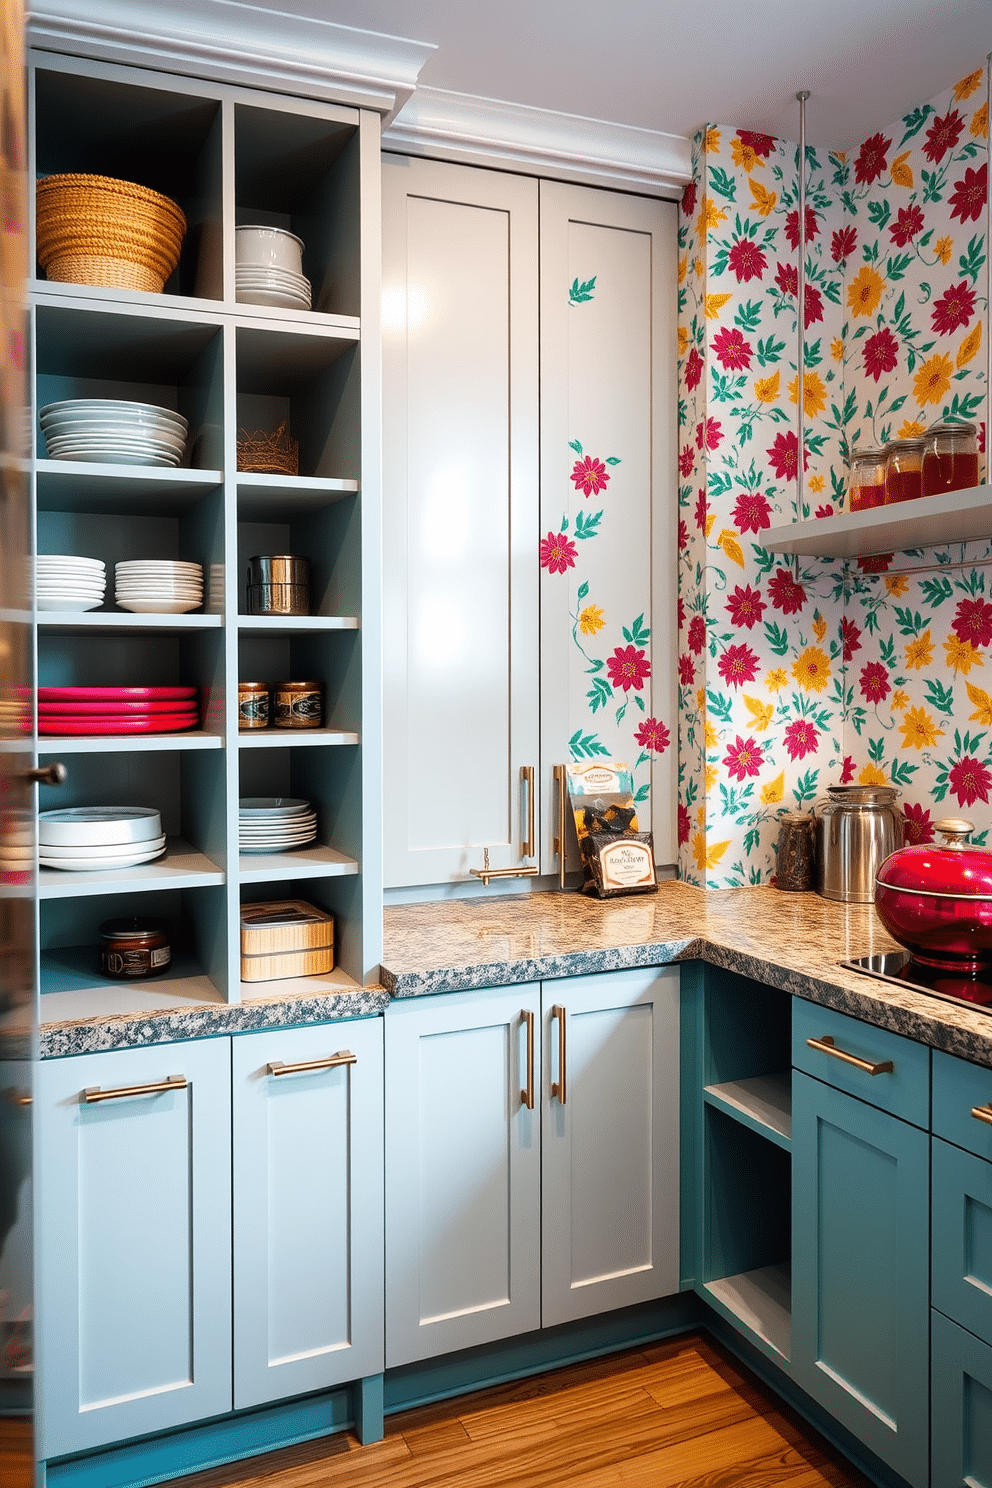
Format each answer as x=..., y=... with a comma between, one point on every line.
x=332, y=1061
x=53, y=774
x=826, y=1045
x=94, y=1094
x=560, y=1086
x=983, y=1113
x=527, y=776
x=527, y=1096
x=561, y=780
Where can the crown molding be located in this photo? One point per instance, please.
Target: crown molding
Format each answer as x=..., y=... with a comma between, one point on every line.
x=230, y=41
x=510, y=136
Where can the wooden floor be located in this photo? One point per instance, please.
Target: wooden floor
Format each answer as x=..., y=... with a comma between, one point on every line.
x=680, y=1412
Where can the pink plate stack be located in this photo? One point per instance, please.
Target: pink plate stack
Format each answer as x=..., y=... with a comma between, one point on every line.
x=116, y=710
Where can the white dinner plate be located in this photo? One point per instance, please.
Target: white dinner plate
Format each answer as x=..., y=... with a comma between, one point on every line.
x=159, y=606
x=69, y=826
x=157, y=565
x=66, y=602
x=272, y=297
x=111, y=457
x=96, y=865
x=272, y=806
x=103, y=849
x=104, y=407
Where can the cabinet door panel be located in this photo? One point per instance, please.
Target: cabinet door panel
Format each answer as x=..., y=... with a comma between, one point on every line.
x=134, y=1254
x=961, y=1453
x=962, y=1237
x=860, y=1269
x=308, y=1212
x=462, y=1174
x=610, y=1199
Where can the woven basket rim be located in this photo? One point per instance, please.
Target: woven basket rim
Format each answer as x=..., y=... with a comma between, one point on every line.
x=110, y=186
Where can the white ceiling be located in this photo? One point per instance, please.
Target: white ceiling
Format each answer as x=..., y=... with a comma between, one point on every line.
x=670, y=65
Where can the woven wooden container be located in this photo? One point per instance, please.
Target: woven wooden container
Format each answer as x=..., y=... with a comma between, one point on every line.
x=101, y=231
x=279, y=925
x=268, y=454
x=288, y=964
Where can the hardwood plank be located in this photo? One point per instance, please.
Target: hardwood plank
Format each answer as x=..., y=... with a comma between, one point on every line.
x=439, y=1436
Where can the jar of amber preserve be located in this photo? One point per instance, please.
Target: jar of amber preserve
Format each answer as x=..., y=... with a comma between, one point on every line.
x=134, y=947
x=950, y=458
x=253, y=705
x=867, y=487
x=297, y=705
x=903, y=470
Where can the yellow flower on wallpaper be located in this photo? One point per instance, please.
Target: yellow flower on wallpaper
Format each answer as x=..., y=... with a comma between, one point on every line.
x=911, y=429
x=899, y=700
x=816, y=483
x=591, y=620
x=837, y=349
x=763, y=200
x=714, y=304
x=697, y=267
x=708, y=528
x=943, y=248
x=709, y=216
x=711, y=141
x=773, y=791
x=761, y=713
x=919, y=730
x=701, y=815
x=766, y=388
x=711, y=737
x=715, y=852
x=969, y=346
x=967, y=85
x=865, y=290
x=777, y=678
x=819, y=625
x=811, y=669
x=896, y=583
x=980, y=122
x=872, y=775
x=933, y=380
x=683, y=266
x=683, y=340
x=961, y=655
x=919, y=652
x=710, y=778
x=814, y=393
x=900, y=172
x=701, y=699
x=699, y=849
x=745, y=155
x=983, y=706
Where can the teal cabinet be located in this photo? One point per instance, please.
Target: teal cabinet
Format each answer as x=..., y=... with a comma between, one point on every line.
x=860, y=1297
x=962, y=1408
x=961, y=1285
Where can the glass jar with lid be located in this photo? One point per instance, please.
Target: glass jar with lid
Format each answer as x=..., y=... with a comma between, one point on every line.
x=867, y=484
x=903, y=470
x=950, y=458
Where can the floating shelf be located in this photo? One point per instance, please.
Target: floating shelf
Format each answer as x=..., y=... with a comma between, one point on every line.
x=290, y=625
x=931, y=522
x=762, y=1301
x=274, y=738
x=182, y=867
x=130, y=743
x=764, y=1104
x=300, y=862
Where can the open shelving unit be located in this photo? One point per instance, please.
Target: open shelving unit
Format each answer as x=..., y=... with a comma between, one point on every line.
x=931, y=521
x=227, y=155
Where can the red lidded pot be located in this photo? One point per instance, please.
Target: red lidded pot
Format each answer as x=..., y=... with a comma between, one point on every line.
x=936, y=899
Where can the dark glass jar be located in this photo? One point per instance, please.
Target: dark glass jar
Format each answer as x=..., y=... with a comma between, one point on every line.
x=134, y=948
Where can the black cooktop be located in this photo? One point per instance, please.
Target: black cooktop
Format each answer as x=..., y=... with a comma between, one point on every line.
x=899, y=967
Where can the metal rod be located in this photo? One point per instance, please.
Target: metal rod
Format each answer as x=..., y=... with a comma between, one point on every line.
x=801, y=97
x=93, y=1094
x=527, y=776
x=308, y=1066
x=988, y=266
x=559, y=1087
x=826, y=1045
x=982, y=1113
x=527, y=1095
x=561, y=781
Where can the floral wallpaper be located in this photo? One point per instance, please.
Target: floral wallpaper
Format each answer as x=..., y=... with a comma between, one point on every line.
x=798, y=674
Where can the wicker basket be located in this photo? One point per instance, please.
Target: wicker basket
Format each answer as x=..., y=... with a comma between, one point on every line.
x=115, y=234
x=268, y=454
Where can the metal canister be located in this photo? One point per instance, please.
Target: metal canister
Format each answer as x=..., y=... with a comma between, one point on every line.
x=856, y=829
x=279, y=585
x=297, y=705
x=253, y=705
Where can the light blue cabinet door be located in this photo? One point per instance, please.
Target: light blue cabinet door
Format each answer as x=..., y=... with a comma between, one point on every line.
x=610, y=1165
x=307, y=1209
x=962, y=1408
x=134, y=1243
x=860, y=1297
x=463, y=1171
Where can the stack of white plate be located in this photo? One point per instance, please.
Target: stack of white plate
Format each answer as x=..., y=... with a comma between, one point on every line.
x=63, y=582
x=159, y=586
x=272, y=287
x=114, y=431
x=87, y=838
x=268, y=268
x=269, y=824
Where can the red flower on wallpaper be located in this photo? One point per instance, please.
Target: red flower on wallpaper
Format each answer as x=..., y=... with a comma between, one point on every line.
x=792, y=226
x=909, y=222
x=686, y=460
x=880, y=353
x=752, y=512
x=943, y=135
x=628, y=668
x=847, y=770
x=968, y=197
x=761, y=144
x=954, y=309
x=801, y=739
x=746, y=607
x=743, y=758
x=812, y=305
x=683, y=534
x=785, y=594
x=701, y=508
x=708, y=433
x=843, y=243
x=590, y=476
x=850, y=638
x=870, y=163
x=697, y=635
x=875, y=685
x=689, y=199
x=917, y=826
x=693, y=369
x=784, y=455
x=653, y=736
x=824, y=511
x=681, y=613
x=557, y=552
x=746, y=260
x=732, y=350
x=787, y=278
x=685, y=825
x=973, y=621
x=969, y=780
x=877, y=563
x=687, y=671
x=737, y=665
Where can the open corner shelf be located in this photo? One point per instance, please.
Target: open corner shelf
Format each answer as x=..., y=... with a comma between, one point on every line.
x=932, y=521
x=763, y=1103
x=73, y=988
x=761, y=1300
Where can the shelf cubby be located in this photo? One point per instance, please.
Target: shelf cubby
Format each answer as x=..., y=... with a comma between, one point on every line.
x=310, y=383
x=329, y=536
x=763, y=1103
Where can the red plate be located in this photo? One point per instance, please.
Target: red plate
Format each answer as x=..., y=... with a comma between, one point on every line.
x=114, y=694
x=113, y=710
x=163, y=723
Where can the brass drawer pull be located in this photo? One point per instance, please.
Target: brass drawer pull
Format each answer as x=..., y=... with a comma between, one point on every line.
x=94, y=1094
x=826, y=1045
x=527, y=1096
x=527, y=776
x=561, y=780
x=983, y=1113
x=560, y=1086
x=307, y=1066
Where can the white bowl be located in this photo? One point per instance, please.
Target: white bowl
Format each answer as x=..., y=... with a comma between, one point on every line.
x=84, y=826
x=268, y=246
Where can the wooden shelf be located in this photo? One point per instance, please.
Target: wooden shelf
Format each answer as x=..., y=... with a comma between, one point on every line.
x=181, y=868
x=933, y=521
x=290, y=625
x=300, y=862
x=275, y=738
x=129, y=743
x=763, y=1103
x=762, y=1301
x=123, y=623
